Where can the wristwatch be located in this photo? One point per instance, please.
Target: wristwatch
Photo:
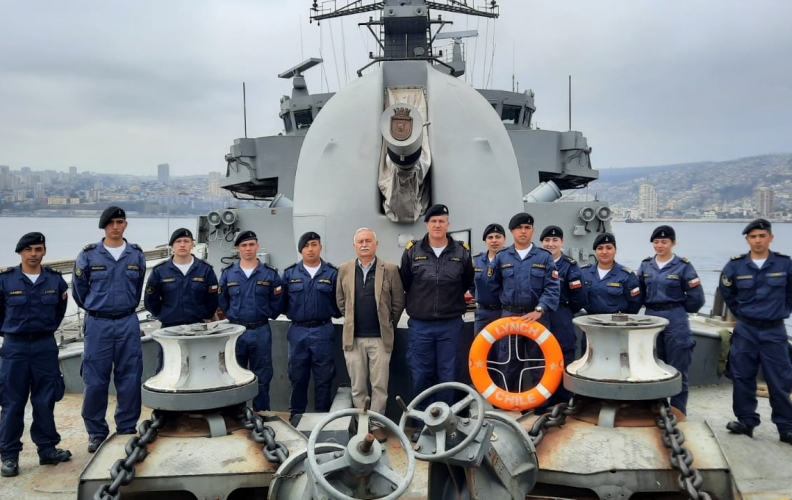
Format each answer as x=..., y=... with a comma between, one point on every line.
x=539, y=309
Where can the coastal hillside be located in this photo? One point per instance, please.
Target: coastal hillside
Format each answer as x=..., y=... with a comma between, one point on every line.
x=719, y=186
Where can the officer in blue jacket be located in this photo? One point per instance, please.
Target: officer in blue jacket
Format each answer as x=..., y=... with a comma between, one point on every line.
x=757, y=287
x=309, y=302
x=610, y=287
x=250, y=295
x=485, y=290
x=528, y=280
x=181, y=290
x=571, y=301
x=32, y=305
x=671, y=288
x=108, y=284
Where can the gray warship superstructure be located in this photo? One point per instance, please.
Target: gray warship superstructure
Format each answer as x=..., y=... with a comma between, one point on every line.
x=406, y=134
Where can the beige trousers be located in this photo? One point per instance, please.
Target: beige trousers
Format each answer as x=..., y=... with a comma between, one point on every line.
x=368, y=360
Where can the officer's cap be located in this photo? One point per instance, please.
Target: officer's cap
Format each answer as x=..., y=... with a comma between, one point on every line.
x=109, y=214
x=552, y=231
x=244, y=236
x=28, y=240
x=757, y=224
x=179, y=233
x=604, y=238
x=519, y=219
x=493, y=228
x=305, y=238
x=435, y=210
x=663, y=232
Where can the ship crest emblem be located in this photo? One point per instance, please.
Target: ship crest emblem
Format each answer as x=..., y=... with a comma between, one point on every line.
x=401, y=124
x=725, y=280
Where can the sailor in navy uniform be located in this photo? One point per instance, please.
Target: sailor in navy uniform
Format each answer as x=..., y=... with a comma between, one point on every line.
x=485, y=290
x=436, y=271
x=250, y=295
x=32, y=305
x=610, y=287
x=528, y=280
x=181, y=290
x=757, y=287
x=671, y=289
x=108, y=283
x=571, y=300
x=309, y=301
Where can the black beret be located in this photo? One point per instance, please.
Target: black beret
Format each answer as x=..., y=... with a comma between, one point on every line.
x=244, y=236
x=519, y=219
x=180, y=233
x=757, y=224
x=604, y=238
x=29, y=239
x=305, y=238
x=493, y=228
x=435, y=210
x=663, y=232
x=552, y=231
x=109, y=214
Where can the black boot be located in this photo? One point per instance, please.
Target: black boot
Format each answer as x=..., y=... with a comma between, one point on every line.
x=786, y=438
x=94, y=443
x=10, y=468
x=54, y=456
x=737, y=427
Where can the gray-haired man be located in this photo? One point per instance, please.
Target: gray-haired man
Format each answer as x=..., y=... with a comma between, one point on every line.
x=370, y=295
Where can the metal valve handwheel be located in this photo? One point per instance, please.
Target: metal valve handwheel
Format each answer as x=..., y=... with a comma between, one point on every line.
x=361, y=456
x=444, y=422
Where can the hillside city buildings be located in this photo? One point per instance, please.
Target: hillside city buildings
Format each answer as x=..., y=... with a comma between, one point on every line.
x=647, y=201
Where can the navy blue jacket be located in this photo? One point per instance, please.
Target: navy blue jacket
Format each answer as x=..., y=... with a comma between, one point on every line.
x=176, y=299
x=310, y=299
x=27, y=307
x=102, y=284
x=528, y=282
x=676, y=283
x=484, y=289
x=573, y=290
x=758, y=294
x=617, y=291
x=250, y=300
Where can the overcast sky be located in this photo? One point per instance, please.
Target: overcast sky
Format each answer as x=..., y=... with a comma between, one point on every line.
x=122, y=86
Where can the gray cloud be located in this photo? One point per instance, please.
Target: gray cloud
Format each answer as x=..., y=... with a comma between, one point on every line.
x=123, y=86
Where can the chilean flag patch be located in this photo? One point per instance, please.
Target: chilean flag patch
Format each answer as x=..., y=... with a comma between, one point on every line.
x=213, y=288
x=694, y=282
x=575, y=284
x=555, y=274
x=635, y=291
x=278, y=290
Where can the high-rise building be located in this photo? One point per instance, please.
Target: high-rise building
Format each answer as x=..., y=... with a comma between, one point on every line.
x=38, y=190
x=647, y=201
x=764, y=201
x=163, y=173
x=214, y=183
x=4, y=182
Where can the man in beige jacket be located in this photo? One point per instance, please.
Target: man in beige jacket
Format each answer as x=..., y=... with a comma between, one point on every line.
x=371, y=298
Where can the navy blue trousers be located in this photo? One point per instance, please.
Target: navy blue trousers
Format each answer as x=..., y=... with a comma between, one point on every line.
x=766, y=346
x=482, y=319
x=111, y=346
x=432, y=348
x=311, y=351
x=254, y=351
x=29, y=368
x=675, y=347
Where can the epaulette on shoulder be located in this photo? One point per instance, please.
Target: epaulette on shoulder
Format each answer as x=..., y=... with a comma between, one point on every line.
x=89, y=246
x=464, y=245
x=6, y=270
x=226, y=267
x=570, y=259
x=136, y=246
x=478, y=255
x=685, y=260
x=587, y=265
x=408, y=246
x=332, y=265
x=270, y=267
x=48, y=268
x=647, y=259
x=781, y=254
x=627, y=270
x=162, y=263
x=291, y=266
x=738, y=257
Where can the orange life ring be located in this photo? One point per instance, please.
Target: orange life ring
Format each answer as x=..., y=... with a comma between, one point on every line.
x=515, y=401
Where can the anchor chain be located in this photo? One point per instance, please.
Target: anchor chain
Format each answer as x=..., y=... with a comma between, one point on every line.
x=123, y=470
x=554, y=418
x=274, y=451
x=690, y=479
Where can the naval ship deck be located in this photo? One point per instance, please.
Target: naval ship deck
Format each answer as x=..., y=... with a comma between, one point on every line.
x=762, y=467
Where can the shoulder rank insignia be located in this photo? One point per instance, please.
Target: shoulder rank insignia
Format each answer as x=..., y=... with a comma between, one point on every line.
x=781, y=254
x=627, y=270
x=89, y=246
x=465, y=245
x=409, y=244
x=647, y=259
x=227, y=267
x=290, y=267
x=272, y=268
x=478, y=255
x=6, y=270
x=570, y=259
x=737, y=257
x=332, y=266
x=165, y=262
x=685, y=260
x=48, y=268
x=136, y=246
x=725, y=280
